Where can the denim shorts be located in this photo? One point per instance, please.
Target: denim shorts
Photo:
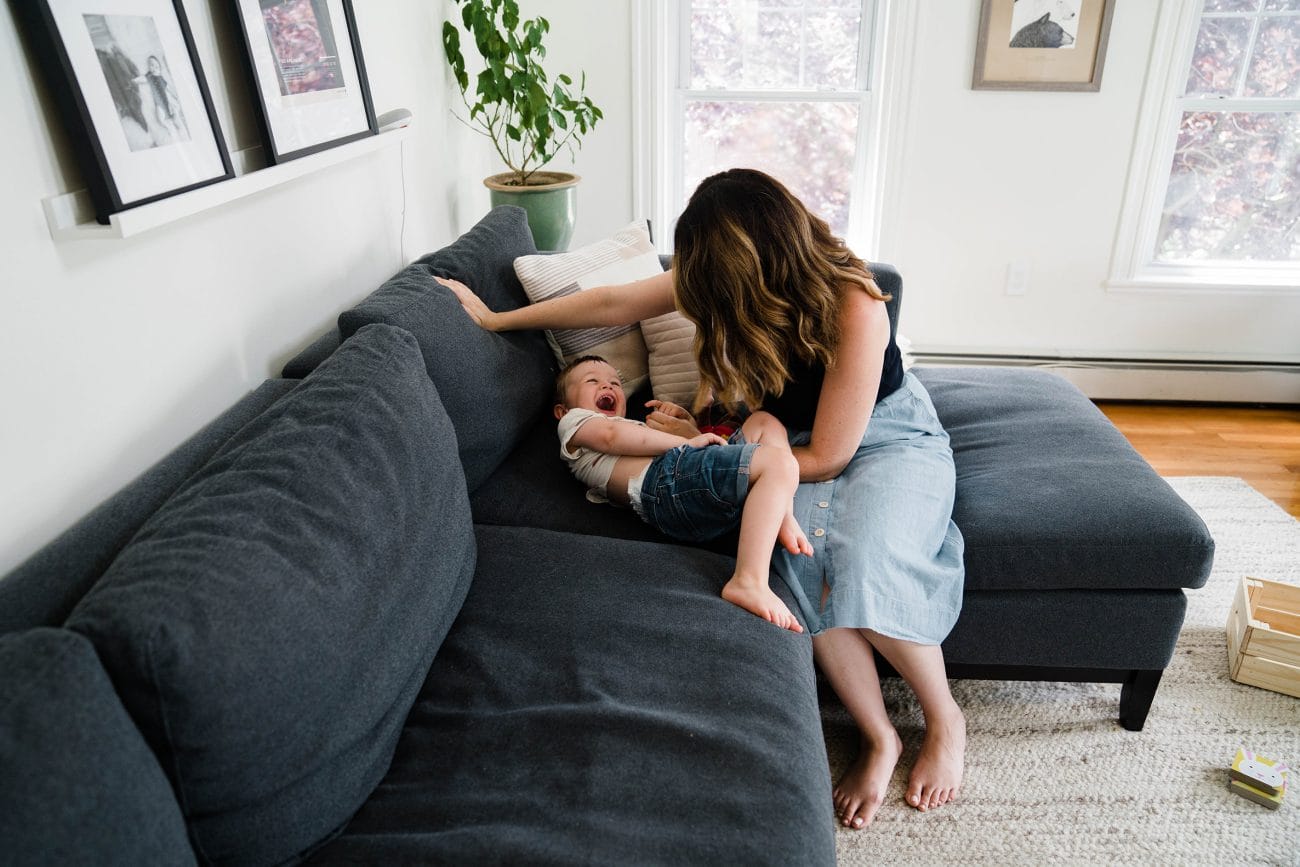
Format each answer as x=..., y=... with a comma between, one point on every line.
x=696, y=494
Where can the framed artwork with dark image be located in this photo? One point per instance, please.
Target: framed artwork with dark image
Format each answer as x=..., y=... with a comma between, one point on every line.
x=1041, y=44
x=128, y=85
x=305, y=61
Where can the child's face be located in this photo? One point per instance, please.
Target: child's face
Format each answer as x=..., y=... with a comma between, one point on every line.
x=595, y=385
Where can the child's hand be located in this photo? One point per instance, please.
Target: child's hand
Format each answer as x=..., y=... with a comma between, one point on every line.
x=705, y=439
x=670, y=418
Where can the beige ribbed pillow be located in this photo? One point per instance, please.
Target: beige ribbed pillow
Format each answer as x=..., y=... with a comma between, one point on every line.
x=674, y=372
x=626, y=256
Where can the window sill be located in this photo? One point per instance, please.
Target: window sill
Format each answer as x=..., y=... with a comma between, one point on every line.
x=1208, y=281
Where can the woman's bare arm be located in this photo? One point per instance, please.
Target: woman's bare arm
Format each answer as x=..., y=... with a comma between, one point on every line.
x=849, y=390
x=596, y=307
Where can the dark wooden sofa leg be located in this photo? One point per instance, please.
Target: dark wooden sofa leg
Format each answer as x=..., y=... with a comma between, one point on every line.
x=1135, y=697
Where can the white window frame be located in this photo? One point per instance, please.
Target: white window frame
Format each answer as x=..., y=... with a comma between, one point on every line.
x=1133, y=265
x=659, y=32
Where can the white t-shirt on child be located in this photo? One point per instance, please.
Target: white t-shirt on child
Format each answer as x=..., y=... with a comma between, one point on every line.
x=592, y=468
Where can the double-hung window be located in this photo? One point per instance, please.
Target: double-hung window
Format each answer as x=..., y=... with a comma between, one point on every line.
x=1219, y=205
x=784, y=86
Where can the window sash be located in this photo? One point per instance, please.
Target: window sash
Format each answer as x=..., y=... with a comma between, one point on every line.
x=665, y=189
x=866, y=38
x=1134, y=266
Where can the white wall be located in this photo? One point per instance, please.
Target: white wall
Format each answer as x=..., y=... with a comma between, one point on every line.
x=115, y=351
x=989, y=177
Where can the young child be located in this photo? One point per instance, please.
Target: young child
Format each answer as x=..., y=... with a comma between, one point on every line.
x=691, y=489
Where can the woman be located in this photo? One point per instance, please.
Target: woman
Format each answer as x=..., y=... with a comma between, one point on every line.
x=790, y=321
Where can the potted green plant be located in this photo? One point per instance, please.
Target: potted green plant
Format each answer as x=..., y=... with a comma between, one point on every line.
x=527, y=117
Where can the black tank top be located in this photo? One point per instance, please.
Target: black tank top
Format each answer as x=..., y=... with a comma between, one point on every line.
x=797, y=404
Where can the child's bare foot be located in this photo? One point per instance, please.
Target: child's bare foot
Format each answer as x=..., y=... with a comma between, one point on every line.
x=759, y=599
x=791, y=536
x=861, y=790
x=937, y=774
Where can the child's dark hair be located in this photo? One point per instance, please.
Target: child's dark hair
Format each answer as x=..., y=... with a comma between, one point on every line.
x=563, y=376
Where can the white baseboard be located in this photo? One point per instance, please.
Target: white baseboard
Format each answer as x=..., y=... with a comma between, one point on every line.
x=1146, y=379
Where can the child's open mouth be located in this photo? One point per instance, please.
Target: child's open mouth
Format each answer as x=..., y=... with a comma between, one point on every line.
x=606, y=402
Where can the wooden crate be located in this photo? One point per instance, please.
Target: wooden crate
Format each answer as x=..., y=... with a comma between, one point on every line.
x=1264, y=636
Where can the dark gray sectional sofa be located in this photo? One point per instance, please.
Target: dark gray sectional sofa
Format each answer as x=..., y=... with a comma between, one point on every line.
x=366, y=616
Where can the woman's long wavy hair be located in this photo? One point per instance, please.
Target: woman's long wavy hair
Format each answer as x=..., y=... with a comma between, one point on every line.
x=762, y=278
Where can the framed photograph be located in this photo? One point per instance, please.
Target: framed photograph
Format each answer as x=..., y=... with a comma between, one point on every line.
x=305, y=61
x=1041, y=44
x=127, y=82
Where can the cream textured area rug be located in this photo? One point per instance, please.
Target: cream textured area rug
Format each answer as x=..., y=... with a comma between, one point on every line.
x=1051, y=777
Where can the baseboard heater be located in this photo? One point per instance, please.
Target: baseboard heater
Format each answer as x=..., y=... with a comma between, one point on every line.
x=1150, y=379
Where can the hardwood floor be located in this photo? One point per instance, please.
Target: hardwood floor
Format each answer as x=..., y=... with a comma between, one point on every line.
x=1261, y=446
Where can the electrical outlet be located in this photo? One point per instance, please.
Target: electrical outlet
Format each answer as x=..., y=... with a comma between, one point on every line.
x=1018, y=276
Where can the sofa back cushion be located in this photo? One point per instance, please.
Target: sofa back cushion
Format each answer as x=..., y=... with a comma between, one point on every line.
x=493, y=385
x=78, y=784
x=270, y=626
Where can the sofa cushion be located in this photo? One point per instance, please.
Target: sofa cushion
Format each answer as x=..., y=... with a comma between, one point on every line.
x=270, y=626
x=492, y=385
x=585, y=709
x=78, y=784
x=1050, y=496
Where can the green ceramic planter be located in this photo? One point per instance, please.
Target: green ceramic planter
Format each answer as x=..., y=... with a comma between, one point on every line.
x=551, y=201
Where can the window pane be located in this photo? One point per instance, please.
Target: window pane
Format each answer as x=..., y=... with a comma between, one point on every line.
x=831, y=58
x=1234, y=189
x=748, y=45
x=808, y=146
x=1282, y=6
x=715, y=61
x=1231, y=5
x=1275, y=63
x=1219, y=56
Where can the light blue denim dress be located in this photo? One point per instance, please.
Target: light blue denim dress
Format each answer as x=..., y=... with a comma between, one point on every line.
x=882, y=532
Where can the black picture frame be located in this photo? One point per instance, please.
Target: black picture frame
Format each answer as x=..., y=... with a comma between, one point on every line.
x=132, y=96
x=305, y=107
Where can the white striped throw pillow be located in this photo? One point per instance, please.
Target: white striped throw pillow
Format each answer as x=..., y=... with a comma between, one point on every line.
x=623, y=258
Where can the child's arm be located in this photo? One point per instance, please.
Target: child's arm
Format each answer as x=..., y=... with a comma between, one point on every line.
x=670, y=418
x=633, y=440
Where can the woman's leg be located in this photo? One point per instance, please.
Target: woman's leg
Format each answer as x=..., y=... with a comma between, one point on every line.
x=937, y=774
x=845, y=657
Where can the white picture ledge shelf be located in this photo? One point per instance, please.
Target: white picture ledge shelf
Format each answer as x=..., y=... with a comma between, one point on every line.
x=71, y=216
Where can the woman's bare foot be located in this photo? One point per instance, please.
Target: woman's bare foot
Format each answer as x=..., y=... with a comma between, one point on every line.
x=759, y=599
x=936, y=776
x=861, y=790
x=791, y=536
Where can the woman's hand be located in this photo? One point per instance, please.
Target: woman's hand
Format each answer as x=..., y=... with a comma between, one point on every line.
x=699, y=441
x=670, y=418
x=482, y=315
